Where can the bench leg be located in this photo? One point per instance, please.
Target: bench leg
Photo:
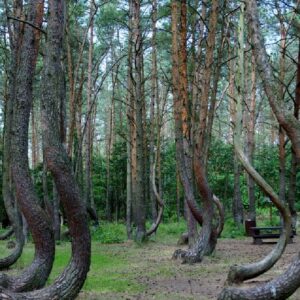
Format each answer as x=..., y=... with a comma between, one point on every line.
x=257, y=241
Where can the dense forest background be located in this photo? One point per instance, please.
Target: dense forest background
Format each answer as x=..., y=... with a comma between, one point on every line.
x=161, y=108
x=107, y=113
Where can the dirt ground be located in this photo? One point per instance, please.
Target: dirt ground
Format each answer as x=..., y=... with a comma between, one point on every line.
x=160, y=277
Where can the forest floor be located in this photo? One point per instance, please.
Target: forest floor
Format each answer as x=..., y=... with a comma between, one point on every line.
x=148, y=272
x=131, y=271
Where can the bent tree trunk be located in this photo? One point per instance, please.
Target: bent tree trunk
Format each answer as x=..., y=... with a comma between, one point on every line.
x=69, y=283
x=241, y=273
x=159, y=200
x=8, y=197
x=288, y=282
x=279, y=288
x=207, y=240
x=8, y=233
x=37, y=273
x=7, y=190
x=9, y=260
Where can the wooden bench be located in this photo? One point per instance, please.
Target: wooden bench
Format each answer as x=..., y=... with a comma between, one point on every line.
x=261, y=233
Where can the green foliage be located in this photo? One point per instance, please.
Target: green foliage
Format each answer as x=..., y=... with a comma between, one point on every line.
x=172, y=228
x=220, y=170
x=233, y=231
x=168, y=166
x=99, y=181
x=117, y=187
x=109, y=233
x=267, y=216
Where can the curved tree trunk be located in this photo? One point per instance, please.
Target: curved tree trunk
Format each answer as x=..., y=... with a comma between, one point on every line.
x=9, y=260
x=182, y=130
x=69, y=283
x=37, y=273
x=207, y=240
x=7, y=189
x=287, y=283
x=159, y=200
x=221, y=211
x=279, y=288
x=8, y=233
x=241, y=273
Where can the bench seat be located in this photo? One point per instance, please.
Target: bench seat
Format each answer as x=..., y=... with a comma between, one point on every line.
x=260, y=233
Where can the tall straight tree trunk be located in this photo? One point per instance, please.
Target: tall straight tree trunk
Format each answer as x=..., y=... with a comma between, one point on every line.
x=78, y=153
x=237, y=132
x=154, y=100
x=251, y=140
x=237, y=208
x=138, y=179
x=294, y=164
x=109, y=190
x=131, y=141
x=89, y=124
x=214, y=93
x=282, y=71
x=110, y=138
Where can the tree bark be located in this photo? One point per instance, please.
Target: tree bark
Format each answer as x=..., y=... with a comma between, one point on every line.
x=237, y=120
x=16, y=37
x=138, y=179
x=89, y=199
x=251, y=141
x=207, y=240
x=37, y=273
x=287, y=283
x=69, y=283
x=294, y=164
x=241, y=273
x=282, y=72
x=153, y=101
